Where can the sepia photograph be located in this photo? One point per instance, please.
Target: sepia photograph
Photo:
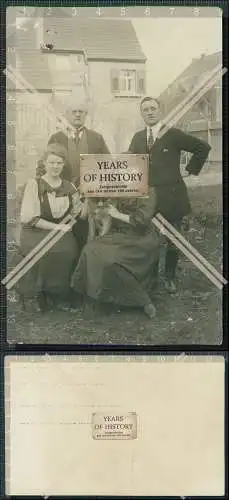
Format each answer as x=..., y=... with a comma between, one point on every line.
x=114, y=175
x=70, y=430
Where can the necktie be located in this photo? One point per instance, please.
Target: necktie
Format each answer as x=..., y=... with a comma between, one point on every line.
x=150, y=139
x=76, y=137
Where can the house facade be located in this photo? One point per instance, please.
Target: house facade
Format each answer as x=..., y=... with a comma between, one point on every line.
x=65, y=58
x=205, y=118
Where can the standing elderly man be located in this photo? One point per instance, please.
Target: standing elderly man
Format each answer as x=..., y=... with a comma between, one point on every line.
x=164, y=171
x=82, y=141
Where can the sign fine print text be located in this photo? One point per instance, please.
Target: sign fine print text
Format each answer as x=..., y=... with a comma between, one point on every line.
x=114, y=425
x=123, y=175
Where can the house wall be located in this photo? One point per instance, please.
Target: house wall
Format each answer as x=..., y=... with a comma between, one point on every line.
x=116, y=119
x=116, y=116
x=207, y=130
x=213, y=135
x=33, y=127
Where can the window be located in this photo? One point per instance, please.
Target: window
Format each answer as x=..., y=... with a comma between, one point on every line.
x=127, y=82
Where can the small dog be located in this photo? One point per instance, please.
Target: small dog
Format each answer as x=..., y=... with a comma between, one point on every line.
x=97, y=211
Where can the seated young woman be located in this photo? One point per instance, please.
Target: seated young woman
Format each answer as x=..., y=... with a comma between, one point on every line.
x=117, y=267
x=47, y=200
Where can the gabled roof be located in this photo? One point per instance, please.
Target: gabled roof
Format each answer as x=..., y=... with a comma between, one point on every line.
x=201, y=65
x=179, y=88
x=99, y=39
x=107, y=39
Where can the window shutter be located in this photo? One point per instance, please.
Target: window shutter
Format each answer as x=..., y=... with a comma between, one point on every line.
x=114, y=80
x=141, y=86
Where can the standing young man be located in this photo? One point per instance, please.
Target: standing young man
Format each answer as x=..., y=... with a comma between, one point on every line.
x=164, y=171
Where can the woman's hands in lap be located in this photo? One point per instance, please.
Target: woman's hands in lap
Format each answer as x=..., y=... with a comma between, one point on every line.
x=113, y=211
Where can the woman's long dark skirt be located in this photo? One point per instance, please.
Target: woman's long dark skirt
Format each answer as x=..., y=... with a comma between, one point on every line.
x=118, y=268
x=52, y=273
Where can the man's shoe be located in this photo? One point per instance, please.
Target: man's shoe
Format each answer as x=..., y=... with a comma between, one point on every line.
x=170, y=286
x=150, y=311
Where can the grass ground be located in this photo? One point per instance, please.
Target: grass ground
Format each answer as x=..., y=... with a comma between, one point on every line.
x=191, y=316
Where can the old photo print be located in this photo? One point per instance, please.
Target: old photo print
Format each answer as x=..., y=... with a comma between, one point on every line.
x=114, y=175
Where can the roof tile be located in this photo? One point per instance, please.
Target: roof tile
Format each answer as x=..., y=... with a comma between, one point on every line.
x=104, y=39
x=100, y=38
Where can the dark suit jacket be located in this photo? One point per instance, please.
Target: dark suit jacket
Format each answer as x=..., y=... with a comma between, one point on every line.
x=95, y=142
x=164, y=168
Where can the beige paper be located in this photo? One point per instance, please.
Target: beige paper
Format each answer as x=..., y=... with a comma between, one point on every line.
x=179, y=402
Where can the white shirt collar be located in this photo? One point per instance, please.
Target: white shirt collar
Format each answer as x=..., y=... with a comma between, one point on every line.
x=155, y=130
x=78, y=131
